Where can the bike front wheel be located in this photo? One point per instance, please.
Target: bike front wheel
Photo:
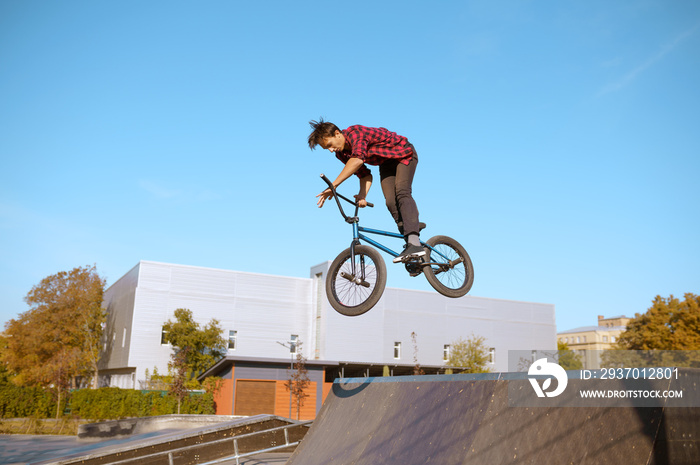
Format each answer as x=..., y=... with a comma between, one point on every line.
x=353, y=294
x=448, y=267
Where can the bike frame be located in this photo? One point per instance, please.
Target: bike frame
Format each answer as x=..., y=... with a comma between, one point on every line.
x=357, y=231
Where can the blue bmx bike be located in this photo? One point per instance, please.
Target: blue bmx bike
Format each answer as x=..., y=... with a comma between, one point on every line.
x=357, y=277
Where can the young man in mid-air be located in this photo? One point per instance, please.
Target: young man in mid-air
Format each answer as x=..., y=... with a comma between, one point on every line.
x=397, y=160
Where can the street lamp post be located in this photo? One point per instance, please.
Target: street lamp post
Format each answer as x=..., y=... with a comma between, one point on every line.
x=291, y=368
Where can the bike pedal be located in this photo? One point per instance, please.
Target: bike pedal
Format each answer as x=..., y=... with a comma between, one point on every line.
x=411, y=259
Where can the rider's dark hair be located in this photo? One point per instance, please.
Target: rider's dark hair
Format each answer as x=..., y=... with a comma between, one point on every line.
x=321, y=129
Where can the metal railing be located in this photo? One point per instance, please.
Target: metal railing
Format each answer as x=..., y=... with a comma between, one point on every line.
x=235, y=440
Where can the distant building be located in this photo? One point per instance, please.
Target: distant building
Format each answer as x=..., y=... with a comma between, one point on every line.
x=588, y=341
x=264, y=317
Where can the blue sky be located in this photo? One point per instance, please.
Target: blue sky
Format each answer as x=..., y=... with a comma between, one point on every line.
x=558, y=141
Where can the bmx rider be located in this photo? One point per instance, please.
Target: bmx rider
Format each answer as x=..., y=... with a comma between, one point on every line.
x=358, y=146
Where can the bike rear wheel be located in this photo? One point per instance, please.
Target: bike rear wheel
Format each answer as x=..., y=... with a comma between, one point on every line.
x=353, y=295
x=448, y=267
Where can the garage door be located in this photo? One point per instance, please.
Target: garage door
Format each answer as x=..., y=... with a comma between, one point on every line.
x=254, y=397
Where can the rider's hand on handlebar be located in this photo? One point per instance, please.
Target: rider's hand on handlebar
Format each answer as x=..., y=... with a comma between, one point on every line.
x=361, y=201
x=325, y=195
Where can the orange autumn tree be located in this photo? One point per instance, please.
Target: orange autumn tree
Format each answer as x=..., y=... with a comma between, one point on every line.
x=669, y=324
x=57, y=341
x=666, y=335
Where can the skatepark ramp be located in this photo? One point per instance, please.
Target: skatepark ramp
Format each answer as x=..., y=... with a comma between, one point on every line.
x=467, y=419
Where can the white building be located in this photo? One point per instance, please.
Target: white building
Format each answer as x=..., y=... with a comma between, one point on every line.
x=259, y=311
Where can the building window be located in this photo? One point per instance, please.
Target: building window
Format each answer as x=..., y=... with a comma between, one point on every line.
x=605, y=338
x=612, y=338
x=232, y=340
x=293, y=344
x=578, y=340
x=397, y=350
x=446, y=353
x=492, y=355
x=163, y=336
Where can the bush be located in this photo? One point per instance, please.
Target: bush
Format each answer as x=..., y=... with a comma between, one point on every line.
x=105, y=403
x=25, y=402
x=99, y=404
x=115, y=403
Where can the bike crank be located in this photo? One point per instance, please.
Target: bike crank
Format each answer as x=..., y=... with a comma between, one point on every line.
x=443, y=267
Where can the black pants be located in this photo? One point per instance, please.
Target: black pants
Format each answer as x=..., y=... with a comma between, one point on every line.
x=397, y=182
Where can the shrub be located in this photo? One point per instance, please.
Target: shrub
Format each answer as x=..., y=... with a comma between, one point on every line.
x=99, y=404
x=25, y=402
x=115, y=403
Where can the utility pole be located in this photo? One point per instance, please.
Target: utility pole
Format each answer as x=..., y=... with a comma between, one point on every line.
x=289, y=345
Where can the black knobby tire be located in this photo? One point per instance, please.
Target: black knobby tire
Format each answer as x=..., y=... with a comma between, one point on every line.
x=453, y=280
x=347, y=297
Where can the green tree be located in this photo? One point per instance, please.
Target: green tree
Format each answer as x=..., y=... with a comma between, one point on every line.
x=201, y=346
x=669, y=324
x=567, y=358
x=57, y=340
x=471, y=355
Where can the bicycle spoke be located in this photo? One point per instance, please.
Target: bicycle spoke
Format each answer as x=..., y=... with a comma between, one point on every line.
x=449, y=270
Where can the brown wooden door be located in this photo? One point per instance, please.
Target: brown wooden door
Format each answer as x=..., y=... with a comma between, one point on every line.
x=254, y=397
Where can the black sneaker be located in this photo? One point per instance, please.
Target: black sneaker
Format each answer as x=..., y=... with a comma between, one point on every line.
x=410, y=252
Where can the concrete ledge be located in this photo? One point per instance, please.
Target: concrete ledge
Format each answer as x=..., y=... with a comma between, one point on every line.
x=132, y=426
x=198, y=443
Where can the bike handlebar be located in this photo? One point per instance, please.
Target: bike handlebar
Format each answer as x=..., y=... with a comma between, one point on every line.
x=336, y=196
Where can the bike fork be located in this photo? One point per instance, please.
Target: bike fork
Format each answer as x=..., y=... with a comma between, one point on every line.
x=353, y=264
x=355, y=242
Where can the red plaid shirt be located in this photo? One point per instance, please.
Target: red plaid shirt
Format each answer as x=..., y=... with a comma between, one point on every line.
x=374, y=146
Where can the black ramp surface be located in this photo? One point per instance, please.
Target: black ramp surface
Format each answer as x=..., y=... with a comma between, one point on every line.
x=462, y=420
